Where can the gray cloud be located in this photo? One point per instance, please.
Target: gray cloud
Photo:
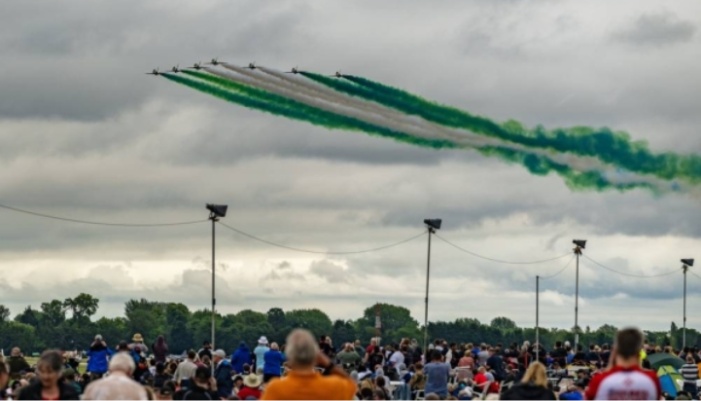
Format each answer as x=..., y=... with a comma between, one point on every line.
x=659, y=29
x=86, y=134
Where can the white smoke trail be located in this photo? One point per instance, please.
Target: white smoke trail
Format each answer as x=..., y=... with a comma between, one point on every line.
x=379, y=115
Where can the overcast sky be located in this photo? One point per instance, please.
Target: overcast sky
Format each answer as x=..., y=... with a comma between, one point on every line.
x=85, y=134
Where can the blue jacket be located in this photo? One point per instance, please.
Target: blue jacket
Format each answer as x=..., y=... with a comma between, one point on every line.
x=98, y=358
x=225, y=383
x=241, y=357
x=273, y=362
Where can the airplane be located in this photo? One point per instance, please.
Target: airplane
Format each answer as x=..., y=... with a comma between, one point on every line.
x=215, y=61
x=251, y=66
x=337, y=74
x=293, y=71
x=175, y=69
x=154, y=72
x=197, y=66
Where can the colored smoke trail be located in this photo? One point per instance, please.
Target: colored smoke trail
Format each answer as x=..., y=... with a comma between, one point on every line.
x=306, y=113
x=615, y=148
x=262, y=100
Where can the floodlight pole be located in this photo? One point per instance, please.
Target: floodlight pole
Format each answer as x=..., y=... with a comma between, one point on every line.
x=684, y=268
x=578, y=253
x=537, y=316
x=428, y=272
x=214, y=219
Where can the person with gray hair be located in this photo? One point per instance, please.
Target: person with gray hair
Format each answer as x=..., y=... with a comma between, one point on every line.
x=303, y=381
x=118, y=385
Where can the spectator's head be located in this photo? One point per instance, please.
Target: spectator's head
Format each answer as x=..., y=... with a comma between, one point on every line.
x=123, y=346
x=206, y=344
x=558, y=344
x=50, y=367
x=350, y=347
x=207, y=360
x=302, y=349
x=274, y=346
x=380, y=381
x=357, y=343
x=16, y=352
x=436, y=356
x=246, y=369
x=123, y=363
x=191, y=354
x=536, y=374
x=98, y=337
x=160, y=340
x=690, y=359
x=160, y=367
x=252, y=381
x=366, y=393
x=166, y=391
x=218, y=355
x=629, y=342
x=379, y=395
x=202, y=376
x=238, y=381
x=69, y=375
x=137, y=338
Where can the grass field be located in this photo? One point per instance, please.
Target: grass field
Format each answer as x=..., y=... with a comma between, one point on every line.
x=32, y=360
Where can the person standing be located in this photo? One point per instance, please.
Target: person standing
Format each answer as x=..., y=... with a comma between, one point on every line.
x=260, y=351
x=303, y=382
x=348, y=358
x=17, y=363
x=273, y=363
x=118, y=385
x=241, y=357
x=186, y=370
x=690, y=373
x=49, y=386
x=160, y=349
x=437, y=374
x=625, y=380
x=98, y=357
x=223, y=373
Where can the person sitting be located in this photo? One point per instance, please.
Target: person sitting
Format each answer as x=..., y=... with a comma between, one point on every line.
x=533, y=386
x=251, y=387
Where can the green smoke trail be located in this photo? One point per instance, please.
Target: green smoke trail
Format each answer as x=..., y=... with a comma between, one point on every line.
x=279, y=105
x=615, y=148
x=268, y=102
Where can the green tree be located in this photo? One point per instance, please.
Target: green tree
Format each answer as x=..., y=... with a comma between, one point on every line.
x=4, y=314
x=503, y=323
x=16, y=334
x=29, y=316
x=147, y=318
x=81, y=307
x=313, y=320
x=393, y=318
x=179, y=336
x=113, y=330
x=54, y=312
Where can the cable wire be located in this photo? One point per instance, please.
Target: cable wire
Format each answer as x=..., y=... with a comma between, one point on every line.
x=99, y=223
x=692, y=272
x=498, y=260
x=559, y=271
x=630, y=274
x=291, y=248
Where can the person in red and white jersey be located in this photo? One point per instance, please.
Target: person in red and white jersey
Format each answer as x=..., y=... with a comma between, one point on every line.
x=625, y=379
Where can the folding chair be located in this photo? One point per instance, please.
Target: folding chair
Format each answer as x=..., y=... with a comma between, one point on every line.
x=420, y=395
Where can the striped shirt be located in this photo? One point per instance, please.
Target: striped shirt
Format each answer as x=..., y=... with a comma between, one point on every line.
x=690, y=373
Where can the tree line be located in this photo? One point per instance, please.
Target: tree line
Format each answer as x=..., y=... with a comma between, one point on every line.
x=69, y=325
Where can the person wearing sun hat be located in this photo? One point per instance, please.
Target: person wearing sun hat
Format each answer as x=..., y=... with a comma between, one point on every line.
x=251, y=387
x=260, y=351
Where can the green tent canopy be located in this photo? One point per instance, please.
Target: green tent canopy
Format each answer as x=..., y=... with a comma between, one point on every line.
x=663, y=359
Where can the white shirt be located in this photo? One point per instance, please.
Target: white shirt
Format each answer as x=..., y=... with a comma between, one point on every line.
x=396, y=358
x=116, y=386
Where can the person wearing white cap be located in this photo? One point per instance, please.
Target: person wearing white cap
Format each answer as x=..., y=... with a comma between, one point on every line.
x=223, y=373
x=98, y=357
x=260, y=351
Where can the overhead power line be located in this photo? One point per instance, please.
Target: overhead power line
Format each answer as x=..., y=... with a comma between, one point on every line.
x=291, y=248
x=559, y=271
x=99, y=223
x=498, y=260
x=630, y=274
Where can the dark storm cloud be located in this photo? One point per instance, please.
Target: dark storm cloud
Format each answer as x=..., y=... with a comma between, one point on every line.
x=659, y=29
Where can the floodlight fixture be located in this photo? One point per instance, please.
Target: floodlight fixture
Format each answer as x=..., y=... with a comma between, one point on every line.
x=217, y=210
x=433, y=223
x=688, y=262
x=582, y=243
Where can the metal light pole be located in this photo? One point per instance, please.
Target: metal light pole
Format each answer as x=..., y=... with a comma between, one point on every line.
x=580, y=244
x=686, y=264
x=432, y=225
x=215, y=212
x=537, y=316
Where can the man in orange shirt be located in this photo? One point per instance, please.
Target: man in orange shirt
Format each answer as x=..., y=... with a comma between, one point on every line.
x=303, y=382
